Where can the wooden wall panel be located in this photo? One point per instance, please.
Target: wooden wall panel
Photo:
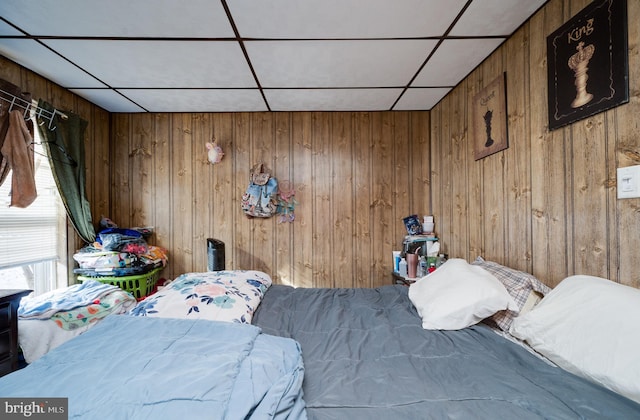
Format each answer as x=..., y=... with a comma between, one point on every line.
x=202, y=189
x=242, y=162
x=549, y=201
x=547, y=156
x=221, y=220
x=458, y=142
x=183, y=162
x=302, y=175
x=354, y=174
x=625, y=144
x=418, y=137
x=342, y=208
x=284, y=231
x=362, y=193
x=518, y=181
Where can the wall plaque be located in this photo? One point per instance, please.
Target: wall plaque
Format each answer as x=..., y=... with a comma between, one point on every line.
x=490, y=119
x=587, y=59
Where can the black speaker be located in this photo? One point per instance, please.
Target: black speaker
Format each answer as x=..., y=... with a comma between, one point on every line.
x=215, y=255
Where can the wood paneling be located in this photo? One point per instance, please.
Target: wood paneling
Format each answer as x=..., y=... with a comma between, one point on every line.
x=547, y=204
x=356, y=176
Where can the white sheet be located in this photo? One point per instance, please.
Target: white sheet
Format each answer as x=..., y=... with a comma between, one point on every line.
x=37, y=337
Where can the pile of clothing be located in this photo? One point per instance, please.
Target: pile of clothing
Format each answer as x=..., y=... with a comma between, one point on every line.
x=120, y=252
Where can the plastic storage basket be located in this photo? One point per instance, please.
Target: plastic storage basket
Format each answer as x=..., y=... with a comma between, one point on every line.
x=140, y=286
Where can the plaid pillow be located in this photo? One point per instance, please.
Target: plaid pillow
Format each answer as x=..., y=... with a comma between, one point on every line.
x=519, y=284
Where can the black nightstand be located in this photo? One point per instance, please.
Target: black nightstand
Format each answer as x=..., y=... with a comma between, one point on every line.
x=9, y=302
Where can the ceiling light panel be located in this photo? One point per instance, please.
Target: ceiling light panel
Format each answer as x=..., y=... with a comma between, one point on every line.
x=420, y=98
x=366, y=63
x=453, y=60
x=343, y=18
x=197, y=100
x=108, y=99
x=197, y=64
x=43, y=61
x=495, y=17
x=331, y=99
x=119, y=18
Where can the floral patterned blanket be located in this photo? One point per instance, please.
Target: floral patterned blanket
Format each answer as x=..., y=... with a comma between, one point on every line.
x=231, y=296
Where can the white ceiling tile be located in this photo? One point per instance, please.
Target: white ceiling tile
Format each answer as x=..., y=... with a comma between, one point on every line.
x=199, y=64
x=331, y=99
x=379, y=63
x=6, y=29
x=343, y=18
x=108, y=99
x=119, y=18
x=43, y=61
x=494, y=17
x=453, y=60
x=420, y=98
x=197, y=100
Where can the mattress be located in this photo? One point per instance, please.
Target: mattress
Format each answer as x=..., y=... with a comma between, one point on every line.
x=366, y=356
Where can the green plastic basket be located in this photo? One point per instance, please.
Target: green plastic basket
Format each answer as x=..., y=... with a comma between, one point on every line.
x=139, y=286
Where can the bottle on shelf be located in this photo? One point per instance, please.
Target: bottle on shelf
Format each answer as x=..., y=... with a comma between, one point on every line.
x=402, y=268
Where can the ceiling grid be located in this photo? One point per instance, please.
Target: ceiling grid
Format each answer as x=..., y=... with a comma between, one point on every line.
x=243, y=55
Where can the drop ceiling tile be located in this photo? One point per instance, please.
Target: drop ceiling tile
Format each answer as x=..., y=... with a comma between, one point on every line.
x=119, y=18
x=160, y=64
x=371, y=63
x=418, y=99
x=495, y=17
x=108, y=99
x=343, y=18
x=331, y=99
x=197, y=100
x=46, y=63
x=453, y=60
x=6, y=29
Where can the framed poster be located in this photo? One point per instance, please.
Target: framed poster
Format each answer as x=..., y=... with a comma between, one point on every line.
x=490, y=119
x=588, y=66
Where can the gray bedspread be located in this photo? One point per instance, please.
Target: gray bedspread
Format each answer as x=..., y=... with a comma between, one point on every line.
x=366, y=356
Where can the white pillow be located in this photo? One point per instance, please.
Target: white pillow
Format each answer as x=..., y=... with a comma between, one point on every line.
x=458, y=295
x=589, y=326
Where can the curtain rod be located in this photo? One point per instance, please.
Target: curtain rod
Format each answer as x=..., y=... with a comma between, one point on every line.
x=16, y=101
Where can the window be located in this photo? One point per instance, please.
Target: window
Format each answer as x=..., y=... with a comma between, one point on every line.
x=33, y=239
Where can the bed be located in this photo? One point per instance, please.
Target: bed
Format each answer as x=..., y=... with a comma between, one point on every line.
x=389, y=352
x=161, y=365
x=367, y=355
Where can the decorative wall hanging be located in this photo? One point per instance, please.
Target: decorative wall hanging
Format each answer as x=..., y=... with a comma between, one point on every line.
x=259, y=200
x=286, y=202
x=587, y=59
x=490, y=119
x=214, y=152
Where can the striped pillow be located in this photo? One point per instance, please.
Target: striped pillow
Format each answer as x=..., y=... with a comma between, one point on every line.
x=525, y=289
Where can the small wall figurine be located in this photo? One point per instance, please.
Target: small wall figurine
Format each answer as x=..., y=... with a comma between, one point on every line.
x=286, y=202
x=214, y=152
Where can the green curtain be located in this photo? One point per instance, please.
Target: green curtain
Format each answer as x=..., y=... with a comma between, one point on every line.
x=64, y=141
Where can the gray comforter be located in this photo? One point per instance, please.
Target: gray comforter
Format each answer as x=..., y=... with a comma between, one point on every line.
x=366, y=356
